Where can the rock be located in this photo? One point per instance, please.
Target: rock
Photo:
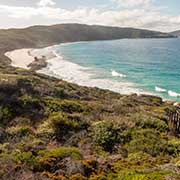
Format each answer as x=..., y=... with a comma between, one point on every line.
x=38, y=64
x=169, y=102
x=177, y=104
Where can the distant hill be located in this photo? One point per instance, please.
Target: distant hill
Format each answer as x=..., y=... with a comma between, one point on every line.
x=42, y=36
x=175, y=33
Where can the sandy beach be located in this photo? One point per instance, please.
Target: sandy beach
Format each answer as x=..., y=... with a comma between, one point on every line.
x=20, y=58
x=30, y=58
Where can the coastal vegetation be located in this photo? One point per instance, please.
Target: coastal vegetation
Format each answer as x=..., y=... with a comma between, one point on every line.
x=51, y=129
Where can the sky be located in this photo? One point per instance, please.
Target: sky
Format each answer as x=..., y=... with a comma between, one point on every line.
x=159, y=15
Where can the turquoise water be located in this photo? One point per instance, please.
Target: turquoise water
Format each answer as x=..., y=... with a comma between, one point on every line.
x=152, y=65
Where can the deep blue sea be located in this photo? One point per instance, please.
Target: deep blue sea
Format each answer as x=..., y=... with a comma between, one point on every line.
x=125, y=66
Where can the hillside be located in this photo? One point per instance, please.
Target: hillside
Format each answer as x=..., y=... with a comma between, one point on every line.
x=42, y=36
x=54, y=130
x=175, y=33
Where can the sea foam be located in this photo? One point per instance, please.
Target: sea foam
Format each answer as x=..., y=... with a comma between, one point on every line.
x=158, y=89
x=116, y=74
x=173, y=94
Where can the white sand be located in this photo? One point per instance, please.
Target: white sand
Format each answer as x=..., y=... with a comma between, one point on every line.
x=24, y=57
x=20, y=58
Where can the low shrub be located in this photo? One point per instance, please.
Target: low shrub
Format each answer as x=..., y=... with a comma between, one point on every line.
x=104, y=134
x=78, y=177
x=62, y=125
x=158, y=175
x=58, y=125
x=5, y=115
x=100, y=176
x=148, y=122
x=45, y=129
x=67, y=106
x=24, y=158
x=148, y=141
x=18, y=131
x=72, y=106
x=174, y=147
x=90, y=167
x=47, y=159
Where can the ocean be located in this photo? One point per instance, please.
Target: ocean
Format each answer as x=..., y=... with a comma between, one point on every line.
x=150, y=66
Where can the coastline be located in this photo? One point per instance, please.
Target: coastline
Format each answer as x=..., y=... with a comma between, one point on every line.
x=41, y=61
x=20, y=58
x=46, y=61
x=30, y=59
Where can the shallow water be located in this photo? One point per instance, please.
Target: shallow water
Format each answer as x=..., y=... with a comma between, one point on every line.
x=125, y=66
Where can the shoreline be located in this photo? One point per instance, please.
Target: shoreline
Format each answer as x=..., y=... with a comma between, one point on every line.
x=20, y=58
x=30, y=59
x=39, y=59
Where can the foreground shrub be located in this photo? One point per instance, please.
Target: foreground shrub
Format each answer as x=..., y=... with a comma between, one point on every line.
x=99, y=177
x=56, y=105
x=47, y=160
x=5, y=115
x=90, y=166
x=174, y=147
x=18, y=131
x=78, y=177
x=45, y=130
x=58, y=125
x=24, y=158
x=62, y=125
x=105, y=135
x=148, y=122
x=148, y=141
x=156, y=175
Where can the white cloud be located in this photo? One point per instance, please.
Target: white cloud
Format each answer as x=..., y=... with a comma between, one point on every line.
x=136, y=17
x=134, y=3
x=46, y=3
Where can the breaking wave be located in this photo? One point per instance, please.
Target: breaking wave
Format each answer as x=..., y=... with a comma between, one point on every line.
x=158, y=89
x=173, y=94
x=116, y=74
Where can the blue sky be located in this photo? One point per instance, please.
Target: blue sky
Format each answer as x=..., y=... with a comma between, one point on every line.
x=161, y=15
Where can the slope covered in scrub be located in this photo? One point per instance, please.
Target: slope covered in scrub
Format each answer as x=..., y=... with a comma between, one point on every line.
x=51, y=129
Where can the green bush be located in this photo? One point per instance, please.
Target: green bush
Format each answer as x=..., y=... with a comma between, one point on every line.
x=45, y=129
x=5, y=115
x=24, y=158
x=47, y=159
x=18, y=131
x=148, y=141
x=58, y=125
x=148, y=122
x=174, y=147
x=155, y=175
x=105, y=135
x=72, y=106
x=28, y=100
x=56, y=105
x=62, y=125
